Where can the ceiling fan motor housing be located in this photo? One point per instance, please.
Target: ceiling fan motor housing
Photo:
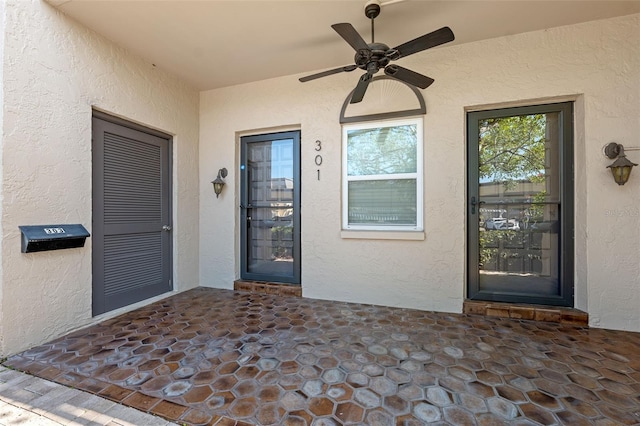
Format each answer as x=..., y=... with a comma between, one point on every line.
x=376, y=54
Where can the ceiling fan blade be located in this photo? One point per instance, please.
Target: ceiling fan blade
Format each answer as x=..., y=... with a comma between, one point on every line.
x=347, y=68
x=360, y=89
x=408, y=76
x=427, y=41
x=351, y=36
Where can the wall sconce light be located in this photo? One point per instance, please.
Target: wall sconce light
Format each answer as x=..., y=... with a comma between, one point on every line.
x=218, y=183
x=621, y=168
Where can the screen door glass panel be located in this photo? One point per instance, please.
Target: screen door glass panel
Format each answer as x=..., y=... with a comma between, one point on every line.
x=270, y=207
x=519, y=204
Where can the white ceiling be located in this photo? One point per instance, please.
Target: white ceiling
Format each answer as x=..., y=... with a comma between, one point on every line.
x=215, y=43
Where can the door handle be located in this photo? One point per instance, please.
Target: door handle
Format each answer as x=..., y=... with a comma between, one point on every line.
x=475, y=203
x=166, y=228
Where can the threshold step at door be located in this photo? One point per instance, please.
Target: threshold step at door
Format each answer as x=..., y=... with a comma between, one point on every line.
x=279, y=289
x=562, y=315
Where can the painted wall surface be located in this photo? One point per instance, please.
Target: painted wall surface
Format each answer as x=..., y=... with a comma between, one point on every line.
x=54, y=72
x=2, y=25
x=597, y=64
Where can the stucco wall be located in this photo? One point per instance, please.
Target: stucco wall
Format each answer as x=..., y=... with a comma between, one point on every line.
x=55, y=71
x=597, y=64
x=2, y=25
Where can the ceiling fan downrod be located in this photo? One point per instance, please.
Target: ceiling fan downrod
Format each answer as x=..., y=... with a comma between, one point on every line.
x=371, y=11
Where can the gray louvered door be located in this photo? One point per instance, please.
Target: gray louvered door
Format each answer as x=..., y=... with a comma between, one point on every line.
x=131, y=214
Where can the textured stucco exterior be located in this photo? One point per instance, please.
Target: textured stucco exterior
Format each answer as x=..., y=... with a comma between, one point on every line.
x=2, y=25
x=54, y=72
x=595, y=64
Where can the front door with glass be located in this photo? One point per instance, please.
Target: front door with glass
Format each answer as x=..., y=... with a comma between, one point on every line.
x=270, y=207
x=520, y=201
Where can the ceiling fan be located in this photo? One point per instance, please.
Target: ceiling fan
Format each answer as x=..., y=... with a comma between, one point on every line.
x=372, y=57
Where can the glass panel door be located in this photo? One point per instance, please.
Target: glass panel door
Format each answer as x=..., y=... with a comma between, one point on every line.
x=520, y=205
x=270, y=207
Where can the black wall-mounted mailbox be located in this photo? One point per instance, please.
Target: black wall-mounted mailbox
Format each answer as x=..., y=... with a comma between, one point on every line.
x=52, y=237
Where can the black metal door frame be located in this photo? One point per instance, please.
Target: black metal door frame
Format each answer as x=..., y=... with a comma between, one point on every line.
x=566, y=233
x=246, y=208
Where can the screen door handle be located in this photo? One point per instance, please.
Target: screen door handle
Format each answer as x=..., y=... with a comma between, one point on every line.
x=475, y=203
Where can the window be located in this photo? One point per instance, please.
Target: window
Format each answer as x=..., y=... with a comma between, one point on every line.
x=382, y=176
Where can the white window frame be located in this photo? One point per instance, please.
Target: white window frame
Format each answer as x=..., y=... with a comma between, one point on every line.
x=418, y=175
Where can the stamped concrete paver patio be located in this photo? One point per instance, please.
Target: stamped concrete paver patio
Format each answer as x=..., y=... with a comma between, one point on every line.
x=211, y=356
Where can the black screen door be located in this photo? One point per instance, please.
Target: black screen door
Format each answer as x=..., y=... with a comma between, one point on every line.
x=131, y=213
x=270, y=207
x=520, y=201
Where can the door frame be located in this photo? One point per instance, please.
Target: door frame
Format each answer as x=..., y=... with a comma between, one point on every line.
x=244, y=208
x=100, y=306
x=566, y=206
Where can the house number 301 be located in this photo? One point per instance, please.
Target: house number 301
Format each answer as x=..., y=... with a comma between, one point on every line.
x=318, y=159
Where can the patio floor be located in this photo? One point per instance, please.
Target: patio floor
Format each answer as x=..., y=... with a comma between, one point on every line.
x=211, y=356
